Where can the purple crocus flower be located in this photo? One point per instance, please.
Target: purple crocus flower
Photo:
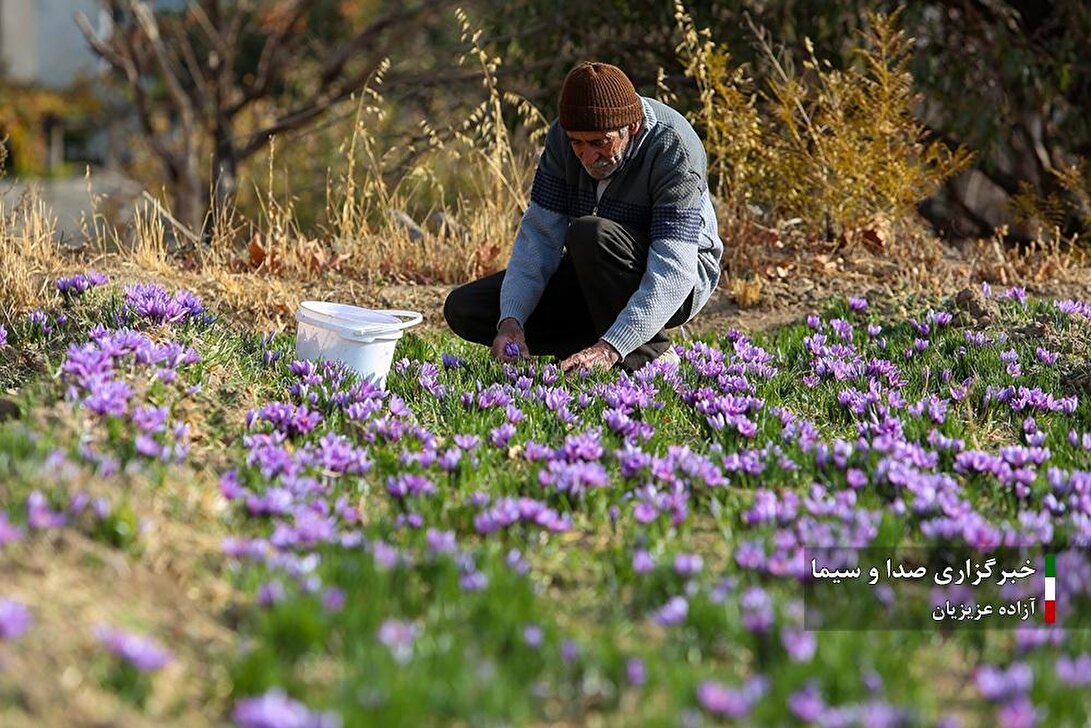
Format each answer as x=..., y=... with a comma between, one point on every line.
x=635, y=672
x=1000, y=685
x=275, y=709
x=857, y=304
x=499, y=436
x=570, y=651
x=271, y=593
x=807, y=704
x=3, y=337
x=532, y=635
x=799, y=644
x=398, y=637
x=511, y=349
x=1017, y=713
x=718, y=699
x=79, y=284
x=40, y=321
x=757, y=609
x=409, y=484
x=108, y=397
x=333, y=600
x=8, y=532
x=1075, y=671
x=441, y=542
x=643, y=562
x=15, y=619
x=473, y=581
x=143, y=653
x=450, y=361
x=672, y=613
x=467, y=442
x=688, y=564
x=149, y=301
x=40, y=515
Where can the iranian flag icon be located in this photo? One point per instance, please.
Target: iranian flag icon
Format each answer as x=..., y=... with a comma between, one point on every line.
x=1051, y=588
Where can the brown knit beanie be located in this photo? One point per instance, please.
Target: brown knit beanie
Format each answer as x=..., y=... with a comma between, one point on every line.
x=598, y=97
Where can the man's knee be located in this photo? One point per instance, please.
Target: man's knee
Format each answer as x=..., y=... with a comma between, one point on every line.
x=585, y=233
x=455, y=308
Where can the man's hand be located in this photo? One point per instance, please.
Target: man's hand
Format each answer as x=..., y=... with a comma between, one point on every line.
x=599, y=354
x=510, y=342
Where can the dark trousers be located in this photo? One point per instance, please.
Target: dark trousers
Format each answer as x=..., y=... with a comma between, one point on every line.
x=601, y=268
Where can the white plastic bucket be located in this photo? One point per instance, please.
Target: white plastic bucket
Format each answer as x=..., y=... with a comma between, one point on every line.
x=362, y=338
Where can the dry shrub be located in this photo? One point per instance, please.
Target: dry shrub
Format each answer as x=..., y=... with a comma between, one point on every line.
x=1040, y=212
x=836, y=149
x=1052, y=259
x=746, y=291
x=739, y=164
x=472, y=178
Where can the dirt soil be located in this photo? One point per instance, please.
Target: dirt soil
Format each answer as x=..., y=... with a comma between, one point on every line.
x=785, y=290
x=789, y=299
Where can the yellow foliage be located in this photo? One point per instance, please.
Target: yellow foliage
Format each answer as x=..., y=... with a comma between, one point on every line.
x=1050, y=211
x=733, y=130
x=835, y=148
x=24, y=111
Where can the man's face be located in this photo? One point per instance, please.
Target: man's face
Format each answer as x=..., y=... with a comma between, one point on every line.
x=600, y=152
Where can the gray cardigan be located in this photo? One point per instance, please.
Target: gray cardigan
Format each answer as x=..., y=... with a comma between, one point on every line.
x=660, y=187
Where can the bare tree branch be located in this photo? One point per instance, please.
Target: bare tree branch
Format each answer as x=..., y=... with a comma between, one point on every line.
x=255, y=51
x=168, y=73
x=122, y=56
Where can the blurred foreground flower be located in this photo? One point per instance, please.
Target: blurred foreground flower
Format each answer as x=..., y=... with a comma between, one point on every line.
x=275, y=709
x=143, y=653
x=15, y=619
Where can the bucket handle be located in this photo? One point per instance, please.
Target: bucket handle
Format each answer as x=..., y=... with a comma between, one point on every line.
x=412, y=318
x=363, y=331
x=369, y=332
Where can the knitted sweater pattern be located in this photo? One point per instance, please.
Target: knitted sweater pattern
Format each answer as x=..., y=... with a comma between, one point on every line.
x=661, y=188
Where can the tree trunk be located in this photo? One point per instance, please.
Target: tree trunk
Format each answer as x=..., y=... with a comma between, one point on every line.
x=225, y=174
x=187, y=198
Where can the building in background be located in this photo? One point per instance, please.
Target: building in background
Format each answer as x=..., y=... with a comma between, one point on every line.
x=52, y=109
x=41, y=44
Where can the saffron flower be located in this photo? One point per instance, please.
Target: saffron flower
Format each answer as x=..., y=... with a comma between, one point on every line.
x=672, y=613
x=8, y=532
x=450, y=361
x=15, y=619
x=150, y=302
x=735, y=703
x=143, y=653
x=999, y=685
x=398, y=637
x=275, y=709
x=77, y=285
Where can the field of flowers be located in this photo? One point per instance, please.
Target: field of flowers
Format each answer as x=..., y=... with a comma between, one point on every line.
x=196, y=528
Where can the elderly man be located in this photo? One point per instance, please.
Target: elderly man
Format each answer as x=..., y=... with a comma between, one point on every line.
x=619, y=242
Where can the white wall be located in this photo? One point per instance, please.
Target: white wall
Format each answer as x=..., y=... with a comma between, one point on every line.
x=19, y=39
x=63, y=52
x=41, y=43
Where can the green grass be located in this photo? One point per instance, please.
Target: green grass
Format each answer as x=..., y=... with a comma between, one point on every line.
x=471, y=661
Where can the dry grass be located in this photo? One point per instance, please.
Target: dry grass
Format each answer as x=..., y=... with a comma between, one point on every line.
x=265, y=265
x=171, y=587
x=172, y=590
x=29, y=253
x=476, y=173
